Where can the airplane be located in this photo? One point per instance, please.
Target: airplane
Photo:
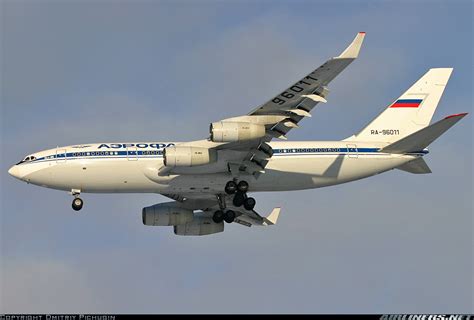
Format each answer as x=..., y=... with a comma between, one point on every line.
x=210, y=180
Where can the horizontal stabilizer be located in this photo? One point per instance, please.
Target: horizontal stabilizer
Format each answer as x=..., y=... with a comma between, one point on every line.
x=422, y=138
x=417, y=166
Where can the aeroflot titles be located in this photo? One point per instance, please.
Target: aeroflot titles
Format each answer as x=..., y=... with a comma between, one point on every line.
x=138, y=145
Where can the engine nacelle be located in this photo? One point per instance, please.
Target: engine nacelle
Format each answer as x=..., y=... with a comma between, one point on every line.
x=200, y=226
x=181, y=156
x=224, y=131
x=166, y=214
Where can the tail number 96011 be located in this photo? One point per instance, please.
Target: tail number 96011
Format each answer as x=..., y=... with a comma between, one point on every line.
x=385, y=132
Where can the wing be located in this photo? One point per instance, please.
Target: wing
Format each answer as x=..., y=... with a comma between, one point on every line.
x=276, y=117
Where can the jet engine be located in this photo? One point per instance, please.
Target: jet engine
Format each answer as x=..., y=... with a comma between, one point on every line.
x=200, y=226
x=181, y=156
x=224, y=131
x=166, y=214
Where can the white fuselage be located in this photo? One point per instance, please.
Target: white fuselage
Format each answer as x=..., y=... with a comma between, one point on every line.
x=133, y=168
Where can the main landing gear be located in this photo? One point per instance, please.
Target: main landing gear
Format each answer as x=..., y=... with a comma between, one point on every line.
x=77, y=203
x=222, y=214
x=227, y=216
x=239, y=190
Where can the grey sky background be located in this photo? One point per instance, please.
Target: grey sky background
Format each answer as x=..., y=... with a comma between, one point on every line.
x=80, y=72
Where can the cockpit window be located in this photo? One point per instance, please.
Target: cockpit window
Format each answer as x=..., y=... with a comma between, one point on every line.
x=27, y=159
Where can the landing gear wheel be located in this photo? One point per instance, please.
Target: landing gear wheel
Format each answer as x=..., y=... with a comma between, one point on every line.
x=243, y=186
x=218, y=216
x=239, y=199
x=229, y=216
x=249, y=203
x=230, y=187
x=77, y=204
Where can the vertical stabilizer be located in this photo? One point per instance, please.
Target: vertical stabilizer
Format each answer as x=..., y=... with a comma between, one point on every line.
x=411, y=112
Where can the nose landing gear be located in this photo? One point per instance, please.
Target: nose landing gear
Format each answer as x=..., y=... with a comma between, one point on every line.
x=77, y=203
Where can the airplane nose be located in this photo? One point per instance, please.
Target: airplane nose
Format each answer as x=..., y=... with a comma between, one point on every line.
x=14, y=171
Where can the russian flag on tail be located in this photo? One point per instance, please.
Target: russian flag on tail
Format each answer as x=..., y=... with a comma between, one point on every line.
x=407, y=103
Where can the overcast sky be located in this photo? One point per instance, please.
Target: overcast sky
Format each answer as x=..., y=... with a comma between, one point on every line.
x=81, y=72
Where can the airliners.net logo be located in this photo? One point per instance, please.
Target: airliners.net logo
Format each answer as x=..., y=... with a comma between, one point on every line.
x=425, y=317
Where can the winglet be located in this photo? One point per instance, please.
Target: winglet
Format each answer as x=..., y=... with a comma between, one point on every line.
x=352, y=51
x=272, y=218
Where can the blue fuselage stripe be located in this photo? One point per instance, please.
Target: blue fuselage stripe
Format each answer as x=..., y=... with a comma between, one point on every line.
x=150, y=154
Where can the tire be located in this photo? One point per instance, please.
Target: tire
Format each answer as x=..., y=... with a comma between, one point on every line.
x=77, y=204
x=243, y=186
x=218, y=216
x=230, y=187
x=229, y=216
x=249, y=203
x=239, y=199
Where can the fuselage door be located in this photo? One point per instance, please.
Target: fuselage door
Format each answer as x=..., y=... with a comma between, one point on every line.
x=352, y=151
x=61, y=155
x=132, y=153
